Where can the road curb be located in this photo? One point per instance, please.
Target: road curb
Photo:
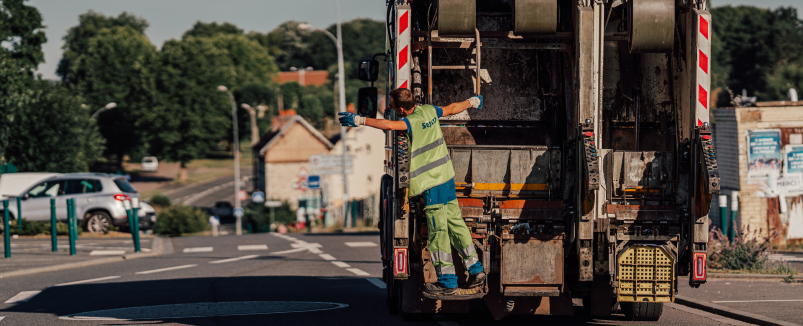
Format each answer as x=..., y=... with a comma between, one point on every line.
x=731, y=313
x=156, y=250
x=753, y=276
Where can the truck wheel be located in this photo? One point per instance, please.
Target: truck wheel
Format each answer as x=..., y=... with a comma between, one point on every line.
x=645, y=311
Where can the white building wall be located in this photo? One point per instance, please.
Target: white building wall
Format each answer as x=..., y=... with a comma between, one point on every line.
x=367, y=145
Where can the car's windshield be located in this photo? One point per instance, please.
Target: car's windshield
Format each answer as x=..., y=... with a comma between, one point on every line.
x=124, y=185
x=148, y=160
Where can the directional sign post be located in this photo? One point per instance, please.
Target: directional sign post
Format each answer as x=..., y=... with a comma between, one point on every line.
x=258, y=197
x=330, y=164
x=272, y=204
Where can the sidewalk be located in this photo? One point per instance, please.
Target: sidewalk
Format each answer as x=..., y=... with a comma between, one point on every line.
x=29, y=254
x=772, y=302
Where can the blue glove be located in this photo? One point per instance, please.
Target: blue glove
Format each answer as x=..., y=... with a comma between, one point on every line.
x=476, y=102
x=348, y=119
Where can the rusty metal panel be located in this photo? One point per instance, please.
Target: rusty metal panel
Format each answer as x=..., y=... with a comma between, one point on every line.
x=531, y=209
x=461, y=159
x=643, y=169
x=529, y=166
x=490, y=166
x=644, y=212
x=532, y=262
x=471, y=207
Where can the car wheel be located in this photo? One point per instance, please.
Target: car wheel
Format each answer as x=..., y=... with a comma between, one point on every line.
x=98, y=222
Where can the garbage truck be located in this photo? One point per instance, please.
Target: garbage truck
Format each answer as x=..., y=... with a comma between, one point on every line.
x=588, y=173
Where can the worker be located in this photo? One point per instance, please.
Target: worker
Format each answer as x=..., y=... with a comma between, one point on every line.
x=432, y=174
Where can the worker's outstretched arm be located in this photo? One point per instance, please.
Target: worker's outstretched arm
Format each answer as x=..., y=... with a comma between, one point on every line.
x=349, y=119
x=455, y=108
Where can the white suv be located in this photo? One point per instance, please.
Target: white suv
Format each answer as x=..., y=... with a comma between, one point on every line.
x=98, y=199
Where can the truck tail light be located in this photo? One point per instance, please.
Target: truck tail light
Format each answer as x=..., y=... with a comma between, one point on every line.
x=400, y=261
x=122, y=197
x=699, y=268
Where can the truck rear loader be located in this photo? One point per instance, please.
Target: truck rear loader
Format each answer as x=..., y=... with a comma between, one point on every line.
x=589, y=172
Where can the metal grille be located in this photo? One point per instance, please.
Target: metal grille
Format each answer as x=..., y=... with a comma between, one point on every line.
x=645, y=274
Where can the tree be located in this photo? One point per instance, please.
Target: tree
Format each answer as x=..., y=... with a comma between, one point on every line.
x=22, y=33
x=53, y=132
x=201, y=29
x=192, y=116
x=254, y=94
x=118, y=64
x=89, y=25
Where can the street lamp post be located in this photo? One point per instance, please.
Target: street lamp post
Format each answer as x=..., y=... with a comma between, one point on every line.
x=236, y=149
x=253, y=113
x=109, y=106
x=341, y=97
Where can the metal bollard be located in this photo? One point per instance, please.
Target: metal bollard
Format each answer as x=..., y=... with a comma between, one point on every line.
x=53, y=229
x=723, y=213
x=734, y=214
x=71, y=224
x=135, y=218
x=19, y=213
x=6, y=229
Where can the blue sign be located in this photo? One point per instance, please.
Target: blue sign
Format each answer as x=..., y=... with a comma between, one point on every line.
x=238, y=212
x=258, y=197
x=314, y=182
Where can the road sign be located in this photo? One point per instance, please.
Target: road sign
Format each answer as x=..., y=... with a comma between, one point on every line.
x=302, y=172
x=331, y=171
x=301, y=184
x=242, y=195
x=238, y=212
x=318, y=162
x=258, y=197
x=314, y=182
x=273, y=203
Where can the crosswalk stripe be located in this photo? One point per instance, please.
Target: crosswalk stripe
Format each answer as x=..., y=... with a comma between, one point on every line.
x=107, y=252
x=377, y=282
x=23, y=296
x=341, y=264
x=233, y=259
x=88, y=281
x=166, y=269
x=327, y=257
x=252, y=247
x=198, y=249
x=358, y=271
x=361, y=244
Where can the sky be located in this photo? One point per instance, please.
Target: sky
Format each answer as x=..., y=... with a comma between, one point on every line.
x=171, y=18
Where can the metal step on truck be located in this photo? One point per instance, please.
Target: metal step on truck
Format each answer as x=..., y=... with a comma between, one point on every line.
x=588, y=173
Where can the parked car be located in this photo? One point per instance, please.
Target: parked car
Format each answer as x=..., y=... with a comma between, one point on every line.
x=224, y=210
x=99, y=200
x=149, y=164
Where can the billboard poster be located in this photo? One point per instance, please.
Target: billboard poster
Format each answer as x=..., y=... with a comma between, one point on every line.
x=793, y=159
x=764, y=156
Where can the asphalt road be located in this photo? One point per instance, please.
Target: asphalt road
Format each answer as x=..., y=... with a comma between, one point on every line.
x=296, y=279
x=206, y=194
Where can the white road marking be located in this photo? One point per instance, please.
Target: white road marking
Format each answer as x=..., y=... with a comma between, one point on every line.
x=89, y=281
x=106, y=252
x=288, y=251
x=312, y=247
x=252, y=247
x=361, y=244
x=233, y=259
x=747, y=301
x=198, y=249
x=2, y=317
x=358, y=271
x=327, y=257
x=785, y=257
x=23, y=296
x=166, y=269
x=341, y=264
x=377, y=282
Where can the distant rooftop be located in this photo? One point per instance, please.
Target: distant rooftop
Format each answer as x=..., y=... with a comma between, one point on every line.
x=305, y=78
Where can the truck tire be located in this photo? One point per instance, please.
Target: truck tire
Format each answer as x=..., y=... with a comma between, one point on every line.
x=643, y=311
x=391, y=296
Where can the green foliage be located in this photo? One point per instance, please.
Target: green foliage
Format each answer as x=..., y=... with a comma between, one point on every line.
x=118, y=65
x=89, y=25
x=179, y=219
x=282, y=215
x=756, y=49
x=21, y=27
x=193, y=116
x=51, y=132
x=201, y=29
x=160, y=200
x=748, y=251
x=254, y=94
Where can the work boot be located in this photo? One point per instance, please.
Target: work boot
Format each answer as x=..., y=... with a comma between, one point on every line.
x=437, y=289
x=476, y=280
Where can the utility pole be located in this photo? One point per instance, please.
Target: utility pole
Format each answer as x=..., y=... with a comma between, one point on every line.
x=236, y=150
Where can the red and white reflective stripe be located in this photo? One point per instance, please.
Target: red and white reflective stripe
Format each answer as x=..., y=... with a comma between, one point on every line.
x=699, y=268
x=400, y=261
x=703, y=89
x=403, y=54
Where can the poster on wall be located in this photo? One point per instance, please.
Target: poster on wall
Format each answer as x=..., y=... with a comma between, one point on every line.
x=793, y=159
x=764, y=156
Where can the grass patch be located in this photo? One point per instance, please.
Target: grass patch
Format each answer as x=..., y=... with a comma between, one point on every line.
x=748, y=253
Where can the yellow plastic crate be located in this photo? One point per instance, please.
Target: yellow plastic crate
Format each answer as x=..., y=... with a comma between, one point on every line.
x=645, y=274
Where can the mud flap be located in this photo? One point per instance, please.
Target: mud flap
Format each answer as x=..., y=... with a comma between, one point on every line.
x=496, y=302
